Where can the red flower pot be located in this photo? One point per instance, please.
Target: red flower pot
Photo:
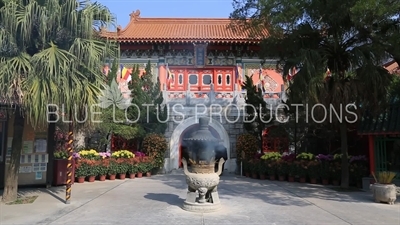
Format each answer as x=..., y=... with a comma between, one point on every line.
x=254, y=175
x=313, y=180
x=111, y=177
x=302, y=179
x=281, y=178
x=139, y=175
x=91, y=178
x=80, y=179
x=272, y=177
x=122, y=176
x=262, y=177
x=325, y=181
x=132, y=175
x=291, y=179
x=148, y=174
x=102, y=177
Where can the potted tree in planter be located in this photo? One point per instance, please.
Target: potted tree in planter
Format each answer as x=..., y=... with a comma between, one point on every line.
x=155, y=146
x=325, y=161
x=384, y=190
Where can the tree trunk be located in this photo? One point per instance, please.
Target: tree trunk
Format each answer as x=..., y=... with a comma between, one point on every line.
x=11, y=176
x=344, y=151
x=51, y=145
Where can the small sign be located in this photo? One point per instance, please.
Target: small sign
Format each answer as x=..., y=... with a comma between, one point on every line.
x=200, y=52
x=38, y=175
x=25, y=169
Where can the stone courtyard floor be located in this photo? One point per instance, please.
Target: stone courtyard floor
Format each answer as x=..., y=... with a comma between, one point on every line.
x=157, y=200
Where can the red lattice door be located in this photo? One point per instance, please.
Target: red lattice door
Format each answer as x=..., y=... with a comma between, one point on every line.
x=223, y=79
x=178, y=81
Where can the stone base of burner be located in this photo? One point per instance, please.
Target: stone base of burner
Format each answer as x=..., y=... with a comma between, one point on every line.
x=201, y=207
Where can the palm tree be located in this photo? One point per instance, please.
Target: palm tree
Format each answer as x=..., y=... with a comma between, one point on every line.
x=336, y=66
x=51, y=55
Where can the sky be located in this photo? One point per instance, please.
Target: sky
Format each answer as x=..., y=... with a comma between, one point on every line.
x=168, y=8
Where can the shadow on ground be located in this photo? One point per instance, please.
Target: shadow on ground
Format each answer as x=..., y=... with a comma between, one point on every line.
x=167, y=198
x=55, y=192
x=272, y=192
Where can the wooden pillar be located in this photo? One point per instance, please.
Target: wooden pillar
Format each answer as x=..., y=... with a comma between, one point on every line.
x=371, y=147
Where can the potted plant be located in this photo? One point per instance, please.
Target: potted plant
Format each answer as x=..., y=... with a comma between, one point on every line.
x=324, y=173
x=301, y=170
x=291, y=171
x=92, y=169
x=384, y=190
x=313, y=171
x=112, y=169
x=60, y=167
x=81, y=171
x=122, y=168
x=149, y=167
x=141, y=167
x=102, y=169
x=271, y=169
x=254, y=168
x=262, y=169
x=246, y=168
x=282, y=169
x=335, y=172
x=132, y=169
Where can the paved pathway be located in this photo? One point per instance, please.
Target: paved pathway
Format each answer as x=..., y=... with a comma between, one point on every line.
x=157, y=200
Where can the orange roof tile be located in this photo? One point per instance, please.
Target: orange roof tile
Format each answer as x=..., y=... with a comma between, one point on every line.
x=181, y=30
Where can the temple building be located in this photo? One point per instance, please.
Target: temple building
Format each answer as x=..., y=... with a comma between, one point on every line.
x=199, y=61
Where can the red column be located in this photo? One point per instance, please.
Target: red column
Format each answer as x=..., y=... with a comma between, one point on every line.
x=162, y=72
x=371, y=153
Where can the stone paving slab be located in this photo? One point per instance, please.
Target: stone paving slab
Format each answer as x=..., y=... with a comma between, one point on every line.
x=158, y=200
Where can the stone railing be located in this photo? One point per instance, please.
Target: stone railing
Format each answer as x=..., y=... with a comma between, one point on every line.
x=190, y=97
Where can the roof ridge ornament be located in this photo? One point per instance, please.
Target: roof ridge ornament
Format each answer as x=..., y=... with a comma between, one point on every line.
x=135, y=15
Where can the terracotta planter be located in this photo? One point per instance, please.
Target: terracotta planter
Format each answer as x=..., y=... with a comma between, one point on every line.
x=80, y=179
x=335, y=182
x=139, y=175
x=111, y=177
x=132, y=175
x=291, y=179
x=302, y=180
x=281, y=178
x=148, y=174
x=325, y=181
x=122, y=176
x=91, y=178
x=247, y=174
x=254, y=175
x=102, y=177
x=313, y=180
x=272, y=177
x=262, y=177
